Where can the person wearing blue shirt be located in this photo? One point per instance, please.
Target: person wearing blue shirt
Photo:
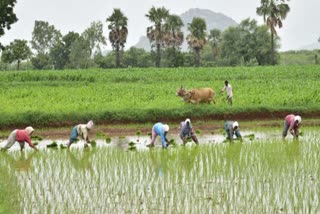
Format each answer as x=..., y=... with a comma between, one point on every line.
x=231, y=128
x=186, y=131
x=161, y=130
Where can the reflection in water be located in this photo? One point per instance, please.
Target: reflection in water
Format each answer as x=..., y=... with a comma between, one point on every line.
x=23, y=163
x=293, y=149
x=81, y=160
x=233, y=152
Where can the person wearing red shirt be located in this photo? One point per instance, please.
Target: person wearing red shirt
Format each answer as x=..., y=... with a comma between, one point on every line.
x=22, y=136
x=292, y=124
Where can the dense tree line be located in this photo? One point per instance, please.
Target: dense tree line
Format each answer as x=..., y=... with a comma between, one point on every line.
x=246, y=44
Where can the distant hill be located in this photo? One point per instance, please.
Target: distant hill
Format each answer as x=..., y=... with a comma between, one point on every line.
x=213, y=20
x=310, y=47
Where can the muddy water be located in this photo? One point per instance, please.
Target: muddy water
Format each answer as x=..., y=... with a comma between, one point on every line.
x=140, y=142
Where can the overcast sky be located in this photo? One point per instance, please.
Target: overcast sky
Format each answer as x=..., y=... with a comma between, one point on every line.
x=300, y=28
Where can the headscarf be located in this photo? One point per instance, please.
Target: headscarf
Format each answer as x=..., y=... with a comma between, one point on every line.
x=89, y=124
x=29, y=130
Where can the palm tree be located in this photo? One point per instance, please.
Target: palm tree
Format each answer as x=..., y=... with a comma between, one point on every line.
x=273, y=12
x=118, y=32
x=155, y=33
x=197, y=37
x=173, y=39
x=214, y=39
x=173, y=36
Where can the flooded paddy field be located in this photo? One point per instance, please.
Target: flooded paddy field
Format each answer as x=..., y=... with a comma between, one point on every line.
x=262, y=174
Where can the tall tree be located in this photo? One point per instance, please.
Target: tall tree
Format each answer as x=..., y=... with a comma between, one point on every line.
x=94, y=36
x=156, y=32
x=80, y=53
x=118, y=32
x=173, y=35
x=246, y=43
x=7, y=16
x=17, y=51
x=273, y=12
x=214, y=40
x=197, y=37
x=60, y=52
x=44, y=37
x=173, y=39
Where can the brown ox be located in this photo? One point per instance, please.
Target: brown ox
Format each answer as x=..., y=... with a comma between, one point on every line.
x=197, y=95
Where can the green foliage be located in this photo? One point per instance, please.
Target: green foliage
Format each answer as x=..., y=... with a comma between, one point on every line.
x=7, y=16
x=52, y=145
x=17, y=51
x=173, y=58
x=302, y=57
x=246, y=44
x=140, y=95
x=44, y=37
x=80, y=53
x=60, y=52
x=197, y=37
x=135, y=57
x=214, y=39
x=207, y=178
x=273, y=12
x=41, y=62
x=156, y=32
x=118, y=32
x=94, y=37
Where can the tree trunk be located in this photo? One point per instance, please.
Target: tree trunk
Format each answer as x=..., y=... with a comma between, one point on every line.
x=18, y=65
x=158, y=57
x=117, y=56
x=272, y=49
x=175, y=57
x=197, y=53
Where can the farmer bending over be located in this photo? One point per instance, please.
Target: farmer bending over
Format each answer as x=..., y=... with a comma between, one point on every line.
x=231, y=128
x=291, y=123
x=161, y=130
x=186, y=131
x=22, y=136
x=81, y=130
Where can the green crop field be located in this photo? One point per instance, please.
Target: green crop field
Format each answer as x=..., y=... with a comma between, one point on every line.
x=258, y=176
x=141, y=95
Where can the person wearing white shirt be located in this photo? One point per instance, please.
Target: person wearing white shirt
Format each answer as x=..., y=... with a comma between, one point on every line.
x=227, y=87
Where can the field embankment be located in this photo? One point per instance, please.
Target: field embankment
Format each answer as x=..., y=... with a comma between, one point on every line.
x=59, y=98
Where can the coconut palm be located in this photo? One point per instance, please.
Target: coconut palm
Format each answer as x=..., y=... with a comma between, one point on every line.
x=118, y=32
x=197, y=37
x=156, y=33
x=273, y=12
x=214, y=39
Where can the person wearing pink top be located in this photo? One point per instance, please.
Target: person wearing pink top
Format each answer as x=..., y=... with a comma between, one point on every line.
x=22, y=136
x=292, y=123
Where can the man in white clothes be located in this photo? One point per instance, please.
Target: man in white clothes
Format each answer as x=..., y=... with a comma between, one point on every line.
x=227, y=87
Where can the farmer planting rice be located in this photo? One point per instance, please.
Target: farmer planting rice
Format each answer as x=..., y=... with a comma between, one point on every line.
x=161, y=130
x=232, y=128
x=81, y=130
x=292, y=123
x=228, y=88
x=186, y=131
x=22, y=136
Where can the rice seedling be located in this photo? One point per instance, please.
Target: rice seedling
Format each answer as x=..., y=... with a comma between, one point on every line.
x=264, y=175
